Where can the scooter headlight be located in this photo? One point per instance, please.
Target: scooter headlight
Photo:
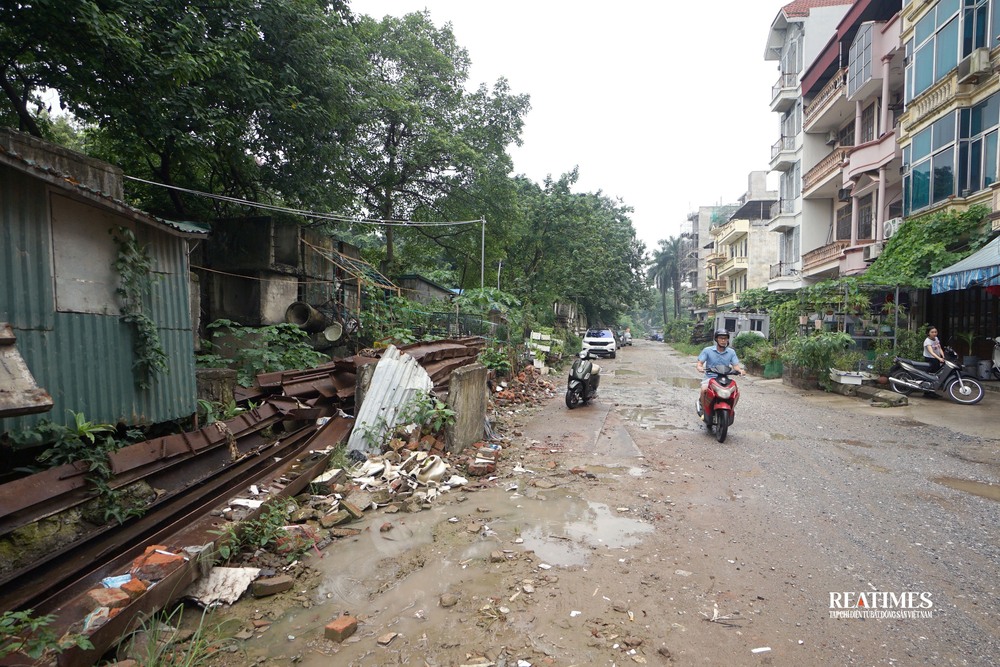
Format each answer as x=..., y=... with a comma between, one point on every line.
x=724, y=392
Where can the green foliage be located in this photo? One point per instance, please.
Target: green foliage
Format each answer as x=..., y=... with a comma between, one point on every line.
x=678, y=330
x=754, y=350
x=784, y=318
x=213, y=411
x=23, y=633
x=430, y=412
x=816, y=352
x=135, y=268
x=926, y=244
x=266, y=531
x=267, y=349
x=496, y=358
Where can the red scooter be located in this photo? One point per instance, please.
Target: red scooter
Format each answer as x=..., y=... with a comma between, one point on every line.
x=718, y=405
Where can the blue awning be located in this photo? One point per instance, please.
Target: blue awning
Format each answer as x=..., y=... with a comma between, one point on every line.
x=980, y=269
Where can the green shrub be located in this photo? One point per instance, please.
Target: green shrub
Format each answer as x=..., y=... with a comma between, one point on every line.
x=816, y=352
x=276, y=347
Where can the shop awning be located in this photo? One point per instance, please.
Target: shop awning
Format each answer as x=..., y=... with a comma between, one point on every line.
x=980, y=269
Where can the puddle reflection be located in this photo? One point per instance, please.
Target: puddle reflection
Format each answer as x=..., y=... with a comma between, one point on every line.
x=990, y=491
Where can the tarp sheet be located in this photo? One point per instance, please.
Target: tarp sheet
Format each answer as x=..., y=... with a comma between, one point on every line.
x=980, y=269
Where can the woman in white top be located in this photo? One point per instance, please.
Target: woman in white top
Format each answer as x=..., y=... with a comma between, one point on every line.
x=932, y=350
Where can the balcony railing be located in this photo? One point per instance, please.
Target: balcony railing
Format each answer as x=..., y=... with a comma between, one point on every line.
x=786, y=82
x=728, y=299
x=782, y=207
x=824, y=169
x=782, y=144
x=718, y=285
x=782, y=269
x=833, y=87
x=818, y=256
x=715, y=258
x=734, y=265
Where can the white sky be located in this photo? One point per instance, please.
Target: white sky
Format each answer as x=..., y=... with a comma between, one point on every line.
x=662, y=104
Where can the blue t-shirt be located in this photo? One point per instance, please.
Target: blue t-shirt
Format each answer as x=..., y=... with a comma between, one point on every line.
x=712, y=357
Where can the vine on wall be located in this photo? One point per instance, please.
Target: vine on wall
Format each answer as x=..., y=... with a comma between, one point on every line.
x=135, y=267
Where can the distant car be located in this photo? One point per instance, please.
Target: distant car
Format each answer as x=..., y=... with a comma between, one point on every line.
x=656, y=335
x=600, y=343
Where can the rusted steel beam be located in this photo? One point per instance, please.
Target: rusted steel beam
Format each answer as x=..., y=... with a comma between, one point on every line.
x=196, y=528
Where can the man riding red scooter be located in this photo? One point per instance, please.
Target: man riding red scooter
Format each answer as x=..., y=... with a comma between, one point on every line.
x=719, y=393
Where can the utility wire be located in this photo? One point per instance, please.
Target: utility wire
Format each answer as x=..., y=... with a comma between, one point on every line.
x=311, y=214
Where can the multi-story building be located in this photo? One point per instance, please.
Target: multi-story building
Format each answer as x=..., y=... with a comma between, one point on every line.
x=853, y=95
x=798, y=34
x=743, y=249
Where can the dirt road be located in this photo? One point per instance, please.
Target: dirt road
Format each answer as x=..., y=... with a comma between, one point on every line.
x=621, y=533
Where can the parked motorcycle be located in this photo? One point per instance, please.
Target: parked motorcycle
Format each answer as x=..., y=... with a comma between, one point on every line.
x=718, y=404
x=584, y=377
x=907, y=376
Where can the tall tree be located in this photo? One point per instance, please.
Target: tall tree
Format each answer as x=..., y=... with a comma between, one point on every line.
x=240, y=97
x=666, y=271
x=421, y=137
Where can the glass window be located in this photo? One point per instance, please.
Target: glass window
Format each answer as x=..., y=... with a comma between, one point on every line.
x=844, y=223
x=943, y=131
x=920, y=185
x=990, y=159
x=868, y=123
x=865, y=216
x=946, y=57
x=943, y=169
x=974, y=33
x=921, y=145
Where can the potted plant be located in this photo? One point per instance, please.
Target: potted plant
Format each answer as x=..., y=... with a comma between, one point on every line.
x=968, y=337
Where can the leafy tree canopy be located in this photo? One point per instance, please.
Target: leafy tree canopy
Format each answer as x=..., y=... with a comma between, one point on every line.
x=926, y=244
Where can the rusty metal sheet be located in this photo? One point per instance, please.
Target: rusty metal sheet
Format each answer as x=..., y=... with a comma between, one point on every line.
x=27, y=491
x=332, y=433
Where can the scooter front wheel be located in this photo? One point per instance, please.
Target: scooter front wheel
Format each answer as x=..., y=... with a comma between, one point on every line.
x=721, y=425
x=572, y=399
x=967, y=391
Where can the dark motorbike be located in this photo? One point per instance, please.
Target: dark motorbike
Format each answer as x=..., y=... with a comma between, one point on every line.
x=718, y=405
x=584, y=377
x=907, y=376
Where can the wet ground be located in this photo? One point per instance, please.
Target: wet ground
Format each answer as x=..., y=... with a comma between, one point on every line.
x=621, y=533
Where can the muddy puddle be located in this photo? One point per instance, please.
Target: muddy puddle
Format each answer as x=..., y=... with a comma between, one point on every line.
x=991, y=491
x=397, y=576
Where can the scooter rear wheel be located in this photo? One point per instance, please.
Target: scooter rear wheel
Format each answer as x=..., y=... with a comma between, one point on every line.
x=905, y=377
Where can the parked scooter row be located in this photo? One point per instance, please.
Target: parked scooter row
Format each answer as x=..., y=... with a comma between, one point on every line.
x=907, y=376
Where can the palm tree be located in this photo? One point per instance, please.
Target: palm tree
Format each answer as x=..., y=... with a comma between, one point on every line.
x=665, y=272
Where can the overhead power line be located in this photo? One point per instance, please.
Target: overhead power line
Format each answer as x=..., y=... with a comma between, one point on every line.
x=333, y=217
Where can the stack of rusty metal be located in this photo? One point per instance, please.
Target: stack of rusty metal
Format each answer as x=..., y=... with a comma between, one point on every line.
x=320, y=391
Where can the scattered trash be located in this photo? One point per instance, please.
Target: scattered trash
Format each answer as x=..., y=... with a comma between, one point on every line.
x=222, y=585
x=574, y=614
x=116, y=582
x=682, y=573
x=762, y=649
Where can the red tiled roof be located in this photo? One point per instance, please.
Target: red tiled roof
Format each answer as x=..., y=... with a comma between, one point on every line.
x=800, y=8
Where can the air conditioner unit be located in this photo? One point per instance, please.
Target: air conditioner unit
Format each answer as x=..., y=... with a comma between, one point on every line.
x=890, y=227
x=872, y=251
x=844, y=194
x=831, y=138
x=976, y=65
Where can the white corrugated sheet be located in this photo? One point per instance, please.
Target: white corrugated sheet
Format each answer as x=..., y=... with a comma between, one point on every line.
x=396, y=380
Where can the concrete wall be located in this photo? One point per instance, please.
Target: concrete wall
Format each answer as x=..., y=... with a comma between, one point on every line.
x=467, y=397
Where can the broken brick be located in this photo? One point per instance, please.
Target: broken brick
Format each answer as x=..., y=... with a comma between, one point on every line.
x=481, y=468
x=272, y=585
x=154, y=565
x=112, y=598
x=134, y=587
x=340, y=628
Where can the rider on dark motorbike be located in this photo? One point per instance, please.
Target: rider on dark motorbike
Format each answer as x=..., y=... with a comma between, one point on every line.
x=719, y=354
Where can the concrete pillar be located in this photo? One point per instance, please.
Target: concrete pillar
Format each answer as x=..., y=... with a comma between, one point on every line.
x=468, y=398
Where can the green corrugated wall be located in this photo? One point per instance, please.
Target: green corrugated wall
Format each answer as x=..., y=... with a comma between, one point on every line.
x=85, y=361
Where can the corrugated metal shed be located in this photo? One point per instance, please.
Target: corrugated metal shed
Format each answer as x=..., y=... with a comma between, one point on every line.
x=84, y=359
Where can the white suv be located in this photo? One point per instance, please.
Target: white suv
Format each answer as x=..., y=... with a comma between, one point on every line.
x=600, y=343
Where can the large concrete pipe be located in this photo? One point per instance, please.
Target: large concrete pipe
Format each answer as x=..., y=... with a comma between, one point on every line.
x=306, y=317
